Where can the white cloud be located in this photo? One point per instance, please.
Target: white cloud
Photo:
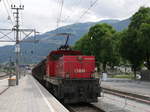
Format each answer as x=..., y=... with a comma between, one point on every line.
x=118, y=8
x=42, y=14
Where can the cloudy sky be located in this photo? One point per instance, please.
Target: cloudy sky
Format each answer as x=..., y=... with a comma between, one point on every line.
x=43, y=14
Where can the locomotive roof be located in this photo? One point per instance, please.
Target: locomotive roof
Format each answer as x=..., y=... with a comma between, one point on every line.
x=66, y=52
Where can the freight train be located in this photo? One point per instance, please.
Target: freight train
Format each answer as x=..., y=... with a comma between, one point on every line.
x=69, y=76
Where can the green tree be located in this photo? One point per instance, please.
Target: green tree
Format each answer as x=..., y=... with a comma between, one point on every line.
x=144, y=42
x=83, y=45
x=136, y=40
x=140, y=17
x=102, y=41
x=130, y=50
x=141, y=23
x=116, y=58
x=106, y=52
x=102, y=44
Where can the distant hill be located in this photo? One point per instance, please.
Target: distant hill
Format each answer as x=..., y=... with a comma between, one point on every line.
x=32, y=53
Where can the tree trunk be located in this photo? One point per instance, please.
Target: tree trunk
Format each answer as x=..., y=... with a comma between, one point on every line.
x=147, y=61
x=134, y=71
x=134, y=74
x=104, y=66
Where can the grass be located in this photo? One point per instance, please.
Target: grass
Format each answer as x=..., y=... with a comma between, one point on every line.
x=124, y=76
x=1, y=70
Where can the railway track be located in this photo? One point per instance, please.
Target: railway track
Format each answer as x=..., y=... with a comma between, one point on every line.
x=131, y=96
x=83, y=107
x=3, y=76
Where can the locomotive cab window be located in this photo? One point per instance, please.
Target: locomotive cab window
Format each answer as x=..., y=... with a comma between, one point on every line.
x=55, y=56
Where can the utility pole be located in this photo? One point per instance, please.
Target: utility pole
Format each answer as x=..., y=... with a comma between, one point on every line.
x=17, y=49
x=16, y=29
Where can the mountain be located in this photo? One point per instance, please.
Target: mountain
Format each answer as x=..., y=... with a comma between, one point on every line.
x=32, y=53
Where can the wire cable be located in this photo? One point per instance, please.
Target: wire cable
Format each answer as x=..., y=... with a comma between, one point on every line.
x=57, y=15
x=60, y=15
x=21, y=14
x=11, y=1
x=9, y=17
x=68, y=17
x=10, y=9
x=20, y=2
x=86, y=11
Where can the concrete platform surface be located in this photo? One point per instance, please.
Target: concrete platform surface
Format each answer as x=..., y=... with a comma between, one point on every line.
x=130, y=86
x=3, y=85
x=29, y=96
x=111, y=103
x=2, y=73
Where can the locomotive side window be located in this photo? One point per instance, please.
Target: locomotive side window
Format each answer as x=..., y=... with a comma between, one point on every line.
x=56, y=56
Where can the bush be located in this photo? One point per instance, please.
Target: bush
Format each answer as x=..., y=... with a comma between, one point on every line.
x=124, y=76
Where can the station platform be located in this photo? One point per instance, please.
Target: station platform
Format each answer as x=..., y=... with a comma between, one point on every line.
x=3, y=85
x=112, y=103
x=140, y=88
x=28, y=96
x=2, y=73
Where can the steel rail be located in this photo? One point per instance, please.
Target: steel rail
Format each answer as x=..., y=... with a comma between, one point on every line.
x=3, y=76
x=131, y=96
x=87, y=107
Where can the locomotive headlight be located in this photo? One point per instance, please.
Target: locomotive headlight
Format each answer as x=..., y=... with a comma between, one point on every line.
x=80, y=58
x=67, y=75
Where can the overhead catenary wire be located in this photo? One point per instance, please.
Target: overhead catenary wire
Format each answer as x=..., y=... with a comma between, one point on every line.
x=60, y=14
x=86, y=11
x=11, y=1
x=9, y=5
x=21, y=14
x=20, y=2
x=82, y=15
x=68, y=17
x=7, y=11
x=57, y=15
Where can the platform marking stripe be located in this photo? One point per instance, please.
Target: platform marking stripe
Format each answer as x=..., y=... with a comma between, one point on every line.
x=45, y=99
x=4, y=90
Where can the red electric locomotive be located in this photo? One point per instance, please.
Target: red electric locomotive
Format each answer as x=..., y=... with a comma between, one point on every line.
x=68, y=75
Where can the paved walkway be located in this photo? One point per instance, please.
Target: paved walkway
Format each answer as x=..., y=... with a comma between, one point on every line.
x=29, y=96
x=136, y=87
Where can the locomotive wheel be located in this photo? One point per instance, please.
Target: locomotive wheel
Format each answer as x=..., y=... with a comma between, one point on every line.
x=47, y=85
x=55, y=90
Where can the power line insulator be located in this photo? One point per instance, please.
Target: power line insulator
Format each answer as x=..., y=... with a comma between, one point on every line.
x=8, y=18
